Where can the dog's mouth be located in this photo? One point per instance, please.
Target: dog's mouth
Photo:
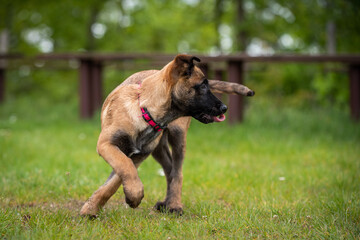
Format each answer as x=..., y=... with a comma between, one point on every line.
x=206, y=118
x=219, y=118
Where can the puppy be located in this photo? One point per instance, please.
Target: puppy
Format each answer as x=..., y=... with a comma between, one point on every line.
x=144, y=115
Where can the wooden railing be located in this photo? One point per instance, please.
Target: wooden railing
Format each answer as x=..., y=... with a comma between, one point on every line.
x=91, y=67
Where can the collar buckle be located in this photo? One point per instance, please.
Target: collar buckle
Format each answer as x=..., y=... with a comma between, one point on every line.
x=147, y=117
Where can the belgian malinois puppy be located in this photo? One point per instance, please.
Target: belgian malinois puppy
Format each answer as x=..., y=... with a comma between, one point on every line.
x=143, y=115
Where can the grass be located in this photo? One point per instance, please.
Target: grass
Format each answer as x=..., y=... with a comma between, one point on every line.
x=284, y=173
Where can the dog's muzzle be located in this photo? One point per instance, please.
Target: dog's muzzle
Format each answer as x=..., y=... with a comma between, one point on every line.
x=215, y=116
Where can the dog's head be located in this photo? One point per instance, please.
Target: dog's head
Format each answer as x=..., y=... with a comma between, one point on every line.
x=191, y=92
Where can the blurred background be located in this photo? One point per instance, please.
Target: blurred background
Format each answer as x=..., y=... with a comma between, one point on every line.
x=211, y=27
x=289, y=170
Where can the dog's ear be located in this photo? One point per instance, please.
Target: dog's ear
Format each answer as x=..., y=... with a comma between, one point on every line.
x=183, y=66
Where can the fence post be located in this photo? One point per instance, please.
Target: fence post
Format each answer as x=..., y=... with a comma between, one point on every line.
x=354, y=77
x=236, y=103
x=97, y=69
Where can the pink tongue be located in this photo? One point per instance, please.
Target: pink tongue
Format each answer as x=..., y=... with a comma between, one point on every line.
x=219, y=118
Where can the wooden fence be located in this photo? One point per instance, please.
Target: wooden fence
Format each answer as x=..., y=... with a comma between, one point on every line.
x=91, y=67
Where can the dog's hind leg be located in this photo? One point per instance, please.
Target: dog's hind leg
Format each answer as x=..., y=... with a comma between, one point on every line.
x=101, y=196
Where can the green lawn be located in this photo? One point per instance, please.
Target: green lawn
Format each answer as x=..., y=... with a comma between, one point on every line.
x=284, y=173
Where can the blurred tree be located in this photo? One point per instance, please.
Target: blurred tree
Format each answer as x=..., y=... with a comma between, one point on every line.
x=241, y=34
x=5, y=31
x=218, y=14
x=185, y=25
x=94, y=10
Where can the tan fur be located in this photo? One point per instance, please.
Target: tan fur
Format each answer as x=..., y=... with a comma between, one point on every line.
x=121, y=114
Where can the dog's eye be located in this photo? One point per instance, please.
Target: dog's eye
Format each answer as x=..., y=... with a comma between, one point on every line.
x=203, y=87
x=205, y=84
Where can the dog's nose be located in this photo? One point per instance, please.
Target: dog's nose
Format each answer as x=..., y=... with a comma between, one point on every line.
x=250, y=93
x=223, y=108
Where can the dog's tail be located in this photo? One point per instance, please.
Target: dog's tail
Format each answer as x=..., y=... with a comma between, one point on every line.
x=230, y=88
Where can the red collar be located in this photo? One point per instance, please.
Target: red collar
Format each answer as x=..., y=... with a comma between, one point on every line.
x=147, y=117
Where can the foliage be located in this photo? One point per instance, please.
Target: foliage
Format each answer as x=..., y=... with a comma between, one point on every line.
x=195, y=26
x=332, y=89
x=171, y=26
x=302, y=85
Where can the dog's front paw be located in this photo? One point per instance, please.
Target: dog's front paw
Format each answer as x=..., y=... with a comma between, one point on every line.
x=134, y=192
x=89, y=209
x=176, y=210
x=160, y=206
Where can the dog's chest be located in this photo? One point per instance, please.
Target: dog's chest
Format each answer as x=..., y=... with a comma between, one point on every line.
x=140, y=145
x=147, y=140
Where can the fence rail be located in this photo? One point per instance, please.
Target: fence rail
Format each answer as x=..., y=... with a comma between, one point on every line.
x=91, y=67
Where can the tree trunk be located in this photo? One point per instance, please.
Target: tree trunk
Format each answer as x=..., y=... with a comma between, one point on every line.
x=218, y=12
x=331, y=37
x=4, y=41
x=240, y=35
x=330, y=28
x=5, y=33
x=90, y=40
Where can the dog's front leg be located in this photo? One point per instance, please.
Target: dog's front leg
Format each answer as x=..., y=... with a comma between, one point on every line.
x=177, y=139
x=125, y=169
x=163, y=156
x=172, y=165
